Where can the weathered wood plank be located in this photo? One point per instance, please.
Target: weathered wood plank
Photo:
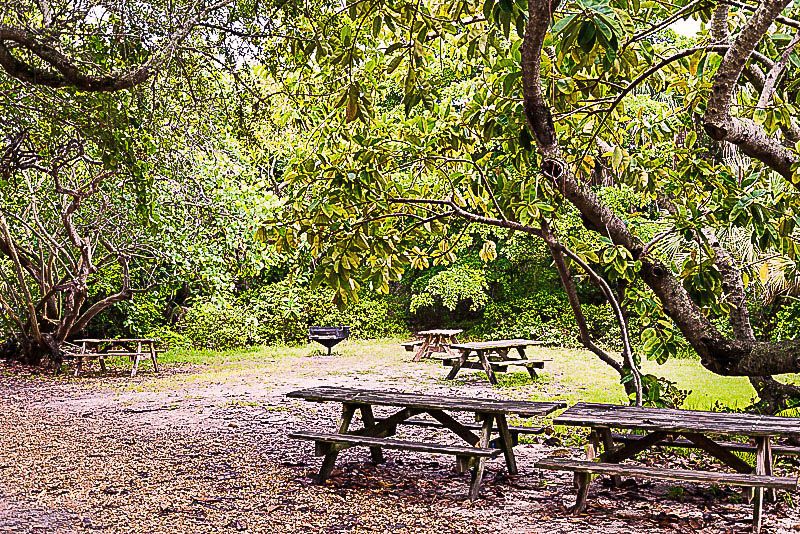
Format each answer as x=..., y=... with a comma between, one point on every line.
x=388, y=443
x=445, y=332
x=635, y=471
x=629, y=450
x=472, y=426
x=677, y=421
x=777, y=450
x=477, y=471
x=719, y=452
x=426, y=402
x=497, y=344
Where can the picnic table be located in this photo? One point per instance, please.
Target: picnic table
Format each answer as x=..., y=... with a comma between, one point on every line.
x=136, y=349
x=429, y=342
x=658, y=427
x=376, y=433
x=493, y=357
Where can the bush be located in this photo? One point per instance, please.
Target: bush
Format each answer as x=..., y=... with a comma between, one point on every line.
x=547, y=317
x=169, y=339
x=284, y=312
x=219, y=325
x=370, y=319
x=787, y=322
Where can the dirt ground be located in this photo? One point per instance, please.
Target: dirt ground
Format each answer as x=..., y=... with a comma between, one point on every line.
x=204, y=448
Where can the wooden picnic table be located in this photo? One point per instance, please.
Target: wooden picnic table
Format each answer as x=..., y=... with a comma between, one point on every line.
x=493, y=357
x=658, y=427
x=136, y=349
x=434, y=341
x=376, y=433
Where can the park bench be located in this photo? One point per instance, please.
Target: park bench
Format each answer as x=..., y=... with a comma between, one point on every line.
x=328, y=336
x=136, y=349
x=677, y=428
x=493, y=357
x=377, y=433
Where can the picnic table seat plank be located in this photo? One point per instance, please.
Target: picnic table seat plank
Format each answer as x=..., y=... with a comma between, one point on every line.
x=426, y=402
x=494, y=345
x=389, y=443
x=532, y=430
x=677, y=421
x=685, y=475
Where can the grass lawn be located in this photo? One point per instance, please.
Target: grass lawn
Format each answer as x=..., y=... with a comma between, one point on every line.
x=585, y=378
x=572, y=375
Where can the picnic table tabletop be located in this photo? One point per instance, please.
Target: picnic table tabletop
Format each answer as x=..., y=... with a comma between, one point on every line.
x=426, y=402
x=496, y=344
x=451, y=332
x=115, y=340
x=677, y=421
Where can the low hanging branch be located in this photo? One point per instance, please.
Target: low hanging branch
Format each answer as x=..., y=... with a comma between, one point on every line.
x=557, y=249
x=61, y=71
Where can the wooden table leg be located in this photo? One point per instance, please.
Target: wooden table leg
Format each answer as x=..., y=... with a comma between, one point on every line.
x=369, y=421
x=507, y=444
x=522, y=356
x=78, y=365
x=330, y=458
x=771, y=493
x=457, y=364
x=423, y=348
x=758, y=493
x=154, y=357
x=719, y=452
x=136, y=359
x=483, y=442
x=608, y=449
x=487, y=366
x=448, y=349
x=583, y=480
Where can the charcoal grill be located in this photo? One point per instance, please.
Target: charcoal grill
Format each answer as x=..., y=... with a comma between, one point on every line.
x=328, y=336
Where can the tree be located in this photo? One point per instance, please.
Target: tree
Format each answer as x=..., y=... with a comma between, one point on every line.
x=506, y=113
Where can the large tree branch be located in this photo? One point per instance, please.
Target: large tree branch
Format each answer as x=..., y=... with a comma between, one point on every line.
x=32, y=318
x=718, y=121
x=65, y=72
x=124, y=293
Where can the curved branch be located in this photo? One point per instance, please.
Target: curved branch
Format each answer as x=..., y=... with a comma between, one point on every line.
x=718, y=121
x=65, y=71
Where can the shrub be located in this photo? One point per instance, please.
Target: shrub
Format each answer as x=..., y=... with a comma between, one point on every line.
x=370, y=319
x=219, y=325
x=548, y=317
x=169, y=339
x=787, y=322
x=459, y=283
x=284, y=312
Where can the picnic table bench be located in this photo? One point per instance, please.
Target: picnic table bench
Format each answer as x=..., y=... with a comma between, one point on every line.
x=430, y=342
x=696, y=429
x=377, y=433
x=493, y=357
x=136, y=349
